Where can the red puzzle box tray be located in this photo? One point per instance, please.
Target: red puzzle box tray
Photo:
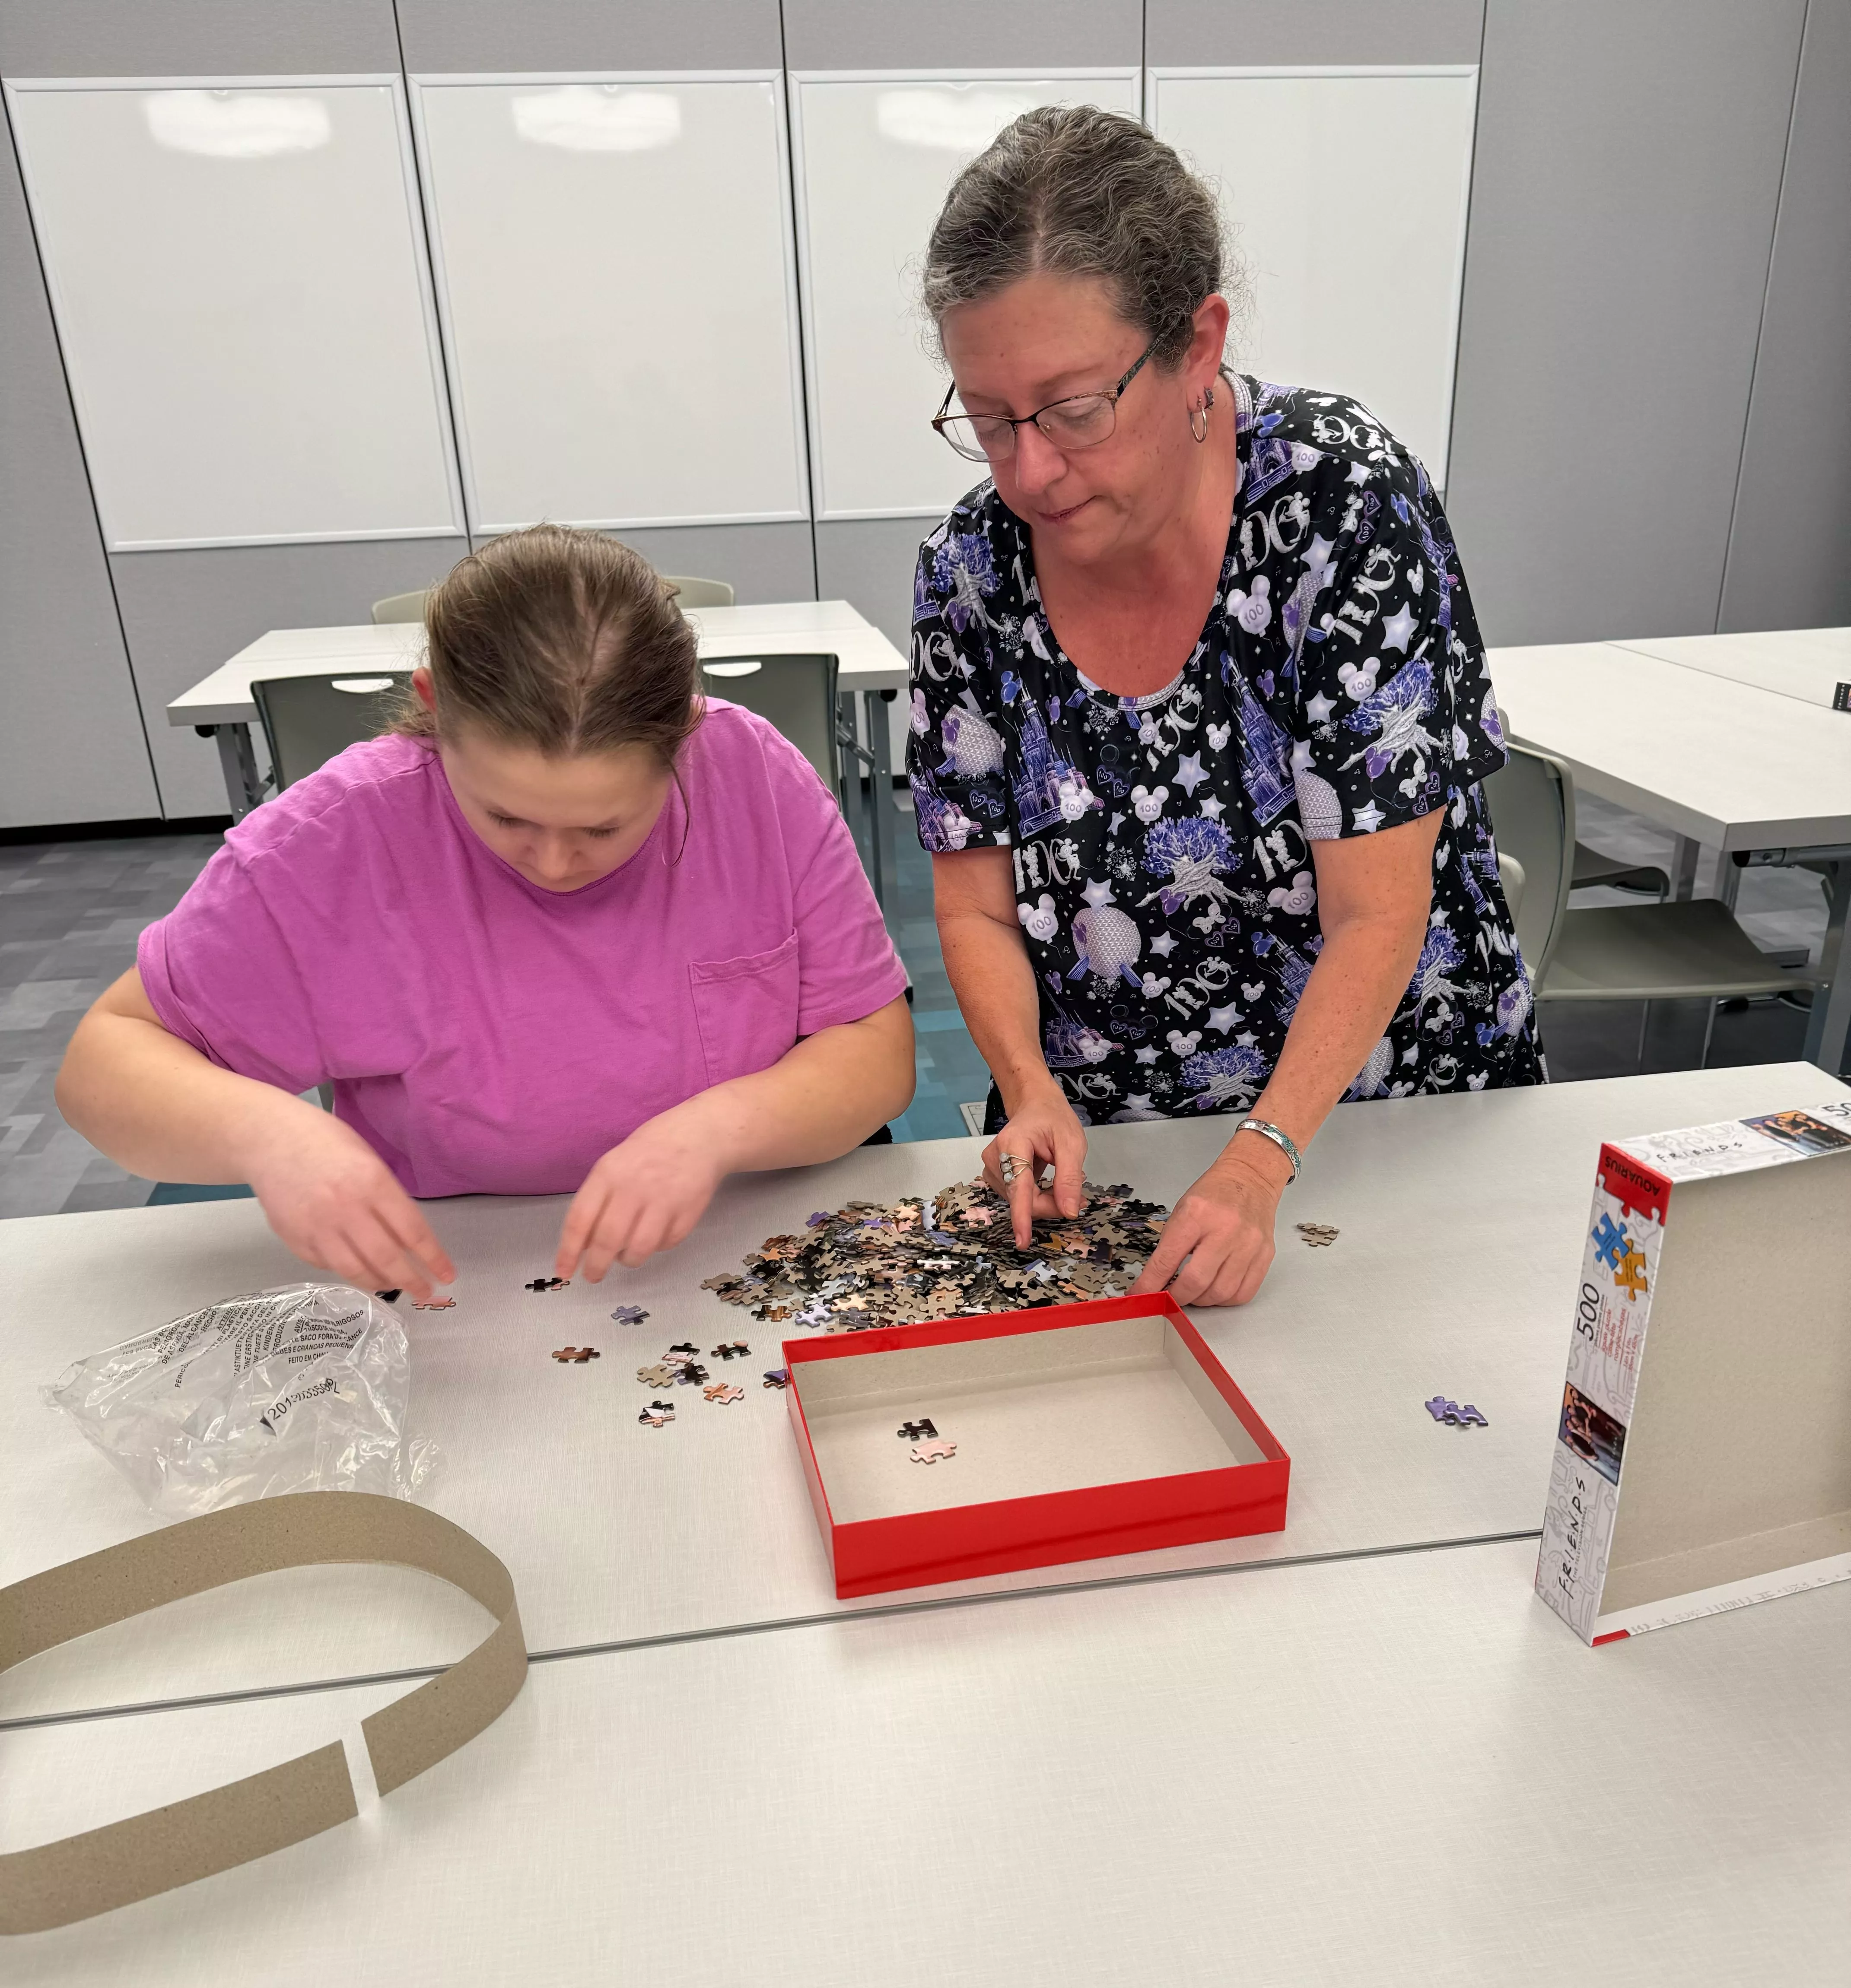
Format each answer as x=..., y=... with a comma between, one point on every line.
x=972, y=1446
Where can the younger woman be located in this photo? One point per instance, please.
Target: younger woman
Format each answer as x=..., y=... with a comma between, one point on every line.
x=572, y=929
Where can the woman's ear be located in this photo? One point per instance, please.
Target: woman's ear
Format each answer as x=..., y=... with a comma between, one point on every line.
x=1206, y=347
x=422, y=686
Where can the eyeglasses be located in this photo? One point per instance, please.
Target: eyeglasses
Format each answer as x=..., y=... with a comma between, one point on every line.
x=1082, y=421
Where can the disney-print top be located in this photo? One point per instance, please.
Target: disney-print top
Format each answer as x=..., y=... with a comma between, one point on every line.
x=1163, y=874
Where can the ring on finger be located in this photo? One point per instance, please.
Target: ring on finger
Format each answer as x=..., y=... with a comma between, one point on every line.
x=1010, y=1168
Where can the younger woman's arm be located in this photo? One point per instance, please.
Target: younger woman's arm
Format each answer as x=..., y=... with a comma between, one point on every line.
x=820, y=1099
x=156, y=1106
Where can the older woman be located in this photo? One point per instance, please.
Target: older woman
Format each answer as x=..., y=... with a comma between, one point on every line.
x=1199, y=712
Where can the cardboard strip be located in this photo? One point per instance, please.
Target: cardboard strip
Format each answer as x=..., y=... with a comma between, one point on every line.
x=78, y=1876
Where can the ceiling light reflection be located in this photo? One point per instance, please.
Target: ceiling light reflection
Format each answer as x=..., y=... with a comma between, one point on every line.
x=953, y=117
x=236, y=124
x=598, y=117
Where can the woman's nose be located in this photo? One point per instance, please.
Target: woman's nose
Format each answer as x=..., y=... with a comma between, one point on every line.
x=555, y=857
x=1038, y=462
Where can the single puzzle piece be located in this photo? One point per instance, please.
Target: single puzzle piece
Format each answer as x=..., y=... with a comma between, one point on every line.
x=778, y=1377
x=388, y=1297
x=1467, y=1414
x=656, y=1413
x=1629, y=1274
x=685, y=1347
x=721, y=1391
x=578, y=1355
x=548, y=1284
x=933, y=1452
x=1437, y=1408
x=434, y=1304
x=734, y=1349
x=1610, y=1243
x=628, y=1315
x=911, y=1432
x=656, y=1376
x=692, y=1376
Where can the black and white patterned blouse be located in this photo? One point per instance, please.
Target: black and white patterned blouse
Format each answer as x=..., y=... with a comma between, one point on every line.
x=1162, y=844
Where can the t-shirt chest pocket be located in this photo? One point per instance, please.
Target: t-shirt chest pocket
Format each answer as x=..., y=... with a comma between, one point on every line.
x=746, y=1008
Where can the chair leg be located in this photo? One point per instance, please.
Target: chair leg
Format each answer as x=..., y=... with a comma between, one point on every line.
x=1709, y=1029
x=1645, y=1018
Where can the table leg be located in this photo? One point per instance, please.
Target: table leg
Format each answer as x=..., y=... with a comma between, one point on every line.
x=881, y=810
x=1728, y=880
x=1832, y=1004
x=1683, y=867
x=238, y=763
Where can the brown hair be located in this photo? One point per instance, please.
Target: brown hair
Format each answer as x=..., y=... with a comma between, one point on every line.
x=562, y=640
x=1079, y=191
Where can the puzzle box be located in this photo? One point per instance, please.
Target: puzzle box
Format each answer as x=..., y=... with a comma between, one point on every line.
x=1706, y=1463
x=1066, y=1434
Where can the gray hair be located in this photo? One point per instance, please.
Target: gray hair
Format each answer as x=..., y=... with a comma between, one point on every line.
x=1075, y=191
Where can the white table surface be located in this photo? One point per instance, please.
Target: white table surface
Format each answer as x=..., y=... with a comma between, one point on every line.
x=1391, y=1771
x=1455, y=1271
x=1809, y=663
x=1720, y=761
x=867, y=660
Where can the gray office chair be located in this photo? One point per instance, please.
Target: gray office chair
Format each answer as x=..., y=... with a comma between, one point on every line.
x=690, y=592
x=797, y=694
x=1691, y=950
x=1510, y=874
x=1595, y=871
x=307, y=720
x=400, y=608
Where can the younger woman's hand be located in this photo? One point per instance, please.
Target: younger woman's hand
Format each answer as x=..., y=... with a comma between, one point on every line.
x=335, y=1202
x=642, y=1197
x=1042, y=1131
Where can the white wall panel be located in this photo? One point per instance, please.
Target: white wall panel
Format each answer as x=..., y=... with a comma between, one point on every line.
x=875, y=155
x=617, y=277
x=1347, y=189
x=241, y=291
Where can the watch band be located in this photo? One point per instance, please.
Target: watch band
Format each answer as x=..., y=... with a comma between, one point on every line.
x=1279, y=1139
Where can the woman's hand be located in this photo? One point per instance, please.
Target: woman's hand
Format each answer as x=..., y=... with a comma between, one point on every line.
x=1217, y=1244
x=1042, y=1131
x=334, y=1202
x=641, y=1197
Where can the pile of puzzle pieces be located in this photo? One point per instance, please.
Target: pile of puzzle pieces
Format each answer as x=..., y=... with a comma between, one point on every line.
x=869, y=1264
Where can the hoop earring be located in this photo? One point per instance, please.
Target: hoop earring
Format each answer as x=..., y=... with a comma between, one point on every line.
x=1208, y=400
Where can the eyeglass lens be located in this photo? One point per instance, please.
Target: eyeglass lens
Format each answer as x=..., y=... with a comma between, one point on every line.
x=1080, y=423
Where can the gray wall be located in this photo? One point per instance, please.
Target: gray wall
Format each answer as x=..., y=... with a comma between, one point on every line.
x=1789, y=564
x=184, y=612
x=71, y=746
x=1624, y=179
x=1185, y=33
x=1652, y=428
x=505, y=37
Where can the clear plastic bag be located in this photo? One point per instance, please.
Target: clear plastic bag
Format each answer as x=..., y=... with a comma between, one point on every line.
x=301, y=1388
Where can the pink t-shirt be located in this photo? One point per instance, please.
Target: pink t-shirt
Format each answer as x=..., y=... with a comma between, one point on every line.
x=487, y=1036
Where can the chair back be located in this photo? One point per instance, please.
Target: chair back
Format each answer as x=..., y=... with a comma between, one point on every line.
x=795, y=694
x=400, y=606
x=689, y=593
x=1532, y=807
x=307, y=720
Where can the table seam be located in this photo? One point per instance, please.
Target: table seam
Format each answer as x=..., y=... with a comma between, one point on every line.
x=924, y=1605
